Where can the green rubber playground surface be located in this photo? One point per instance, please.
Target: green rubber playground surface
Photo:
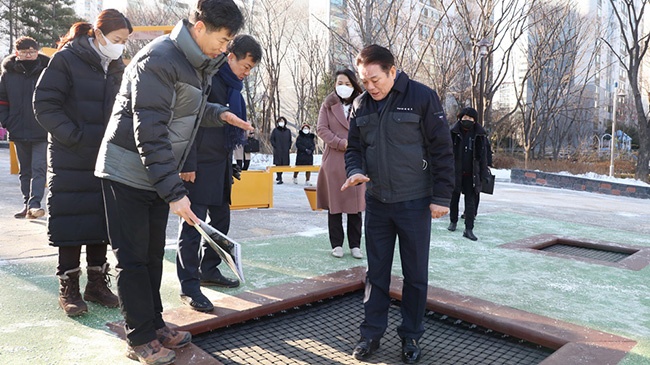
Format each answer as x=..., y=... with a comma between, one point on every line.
x=33, y=330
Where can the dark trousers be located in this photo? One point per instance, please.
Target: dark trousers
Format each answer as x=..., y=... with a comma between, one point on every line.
x=32, y=161
x=69, y=257
x=335, y=228
x=307, y=175
x=244, y=164
x=467, y=190
x=195, y=259
x=137, y=220
x=411, y=222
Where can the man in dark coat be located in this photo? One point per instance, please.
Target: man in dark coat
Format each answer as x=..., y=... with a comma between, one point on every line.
x=20, y=71
x=399, y=146
x=281, y=142
x=470, y=161
x=207, y=174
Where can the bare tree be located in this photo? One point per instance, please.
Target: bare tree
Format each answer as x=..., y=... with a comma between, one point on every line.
x=629, y=14
x=275, y=25
x=152, y=14
x=307, y=71
x=501, y=22
x=553, y=94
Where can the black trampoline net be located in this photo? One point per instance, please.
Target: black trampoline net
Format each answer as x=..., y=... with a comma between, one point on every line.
x=586, y=252
x=325, y=332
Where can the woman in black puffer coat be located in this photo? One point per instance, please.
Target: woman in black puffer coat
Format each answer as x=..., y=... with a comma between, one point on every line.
x=73, y=101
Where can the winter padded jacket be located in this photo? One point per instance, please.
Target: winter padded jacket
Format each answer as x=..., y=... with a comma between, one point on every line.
x=158, y=110
x=479, y=156
x=73, y=101
x=406, y=148
x=16, y=91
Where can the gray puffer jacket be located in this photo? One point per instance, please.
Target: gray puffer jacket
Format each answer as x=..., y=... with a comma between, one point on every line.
x=160, y=105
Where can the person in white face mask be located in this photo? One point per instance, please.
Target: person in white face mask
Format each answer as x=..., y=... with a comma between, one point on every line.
x=281, y=142
x=73, y=101
x=305, y=145
x=333, y=125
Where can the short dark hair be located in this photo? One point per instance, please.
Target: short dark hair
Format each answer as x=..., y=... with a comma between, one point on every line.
x=469, y=111
x=243, y=45
x=25, y=42
x=376, y=55
x=217, y=14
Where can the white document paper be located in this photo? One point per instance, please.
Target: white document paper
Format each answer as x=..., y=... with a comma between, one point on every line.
x=227, y=248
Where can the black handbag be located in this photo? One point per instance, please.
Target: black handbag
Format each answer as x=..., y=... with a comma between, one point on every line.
x=252, y=145
x=487, y=185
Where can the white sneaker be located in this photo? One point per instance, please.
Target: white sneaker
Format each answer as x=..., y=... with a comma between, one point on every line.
x=307, y=183
x=337, y=252
x=295, y=180
x=356, y=253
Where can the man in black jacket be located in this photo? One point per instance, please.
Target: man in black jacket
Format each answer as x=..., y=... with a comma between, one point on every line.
x=20, y=72
x=207, y=174
x=470, y=158
x=399, y=145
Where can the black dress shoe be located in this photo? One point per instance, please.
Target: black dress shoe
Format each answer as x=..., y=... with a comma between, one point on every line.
x=364, y=348
x=221, y=281
x=198, y=302
x=411, y=352
x=469, y=234
x=452, y=226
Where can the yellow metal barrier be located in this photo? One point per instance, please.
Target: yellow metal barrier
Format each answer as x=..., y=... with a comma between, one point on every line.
x=255, y=189
x=13, y=159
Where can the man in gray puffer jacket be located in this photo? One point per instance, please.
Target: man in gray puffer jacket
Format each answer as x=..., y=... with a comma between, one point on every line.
x=160, y=105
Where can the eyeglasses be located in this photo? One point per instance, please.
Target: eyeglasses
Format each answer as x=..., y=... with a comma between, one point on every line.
x=27, y=53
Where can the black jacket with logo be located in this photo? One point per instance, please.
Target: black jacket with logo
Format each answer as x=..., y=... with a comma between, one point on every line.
x=405, y=150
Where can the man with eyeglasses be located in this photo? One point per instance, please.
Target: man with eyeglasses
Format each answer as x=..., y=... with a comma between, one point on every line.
x=20, y=71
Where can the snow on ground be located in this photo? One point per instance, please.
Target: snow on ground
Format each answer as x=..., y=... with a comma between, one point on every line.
x=261, y=162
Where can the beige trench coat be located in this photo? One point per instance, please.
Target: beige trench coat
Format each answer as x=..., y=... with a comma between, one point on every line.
x=333, y=129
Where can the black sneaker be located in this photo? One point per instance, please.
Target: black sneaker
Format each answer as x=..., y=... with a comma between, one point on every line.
x=198, y=302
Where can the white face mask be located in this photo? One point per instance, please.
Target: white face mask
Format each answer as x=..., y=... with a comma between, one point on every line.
x=305, y=130
x=281, y=124
x=111, y=50
x=344, y=91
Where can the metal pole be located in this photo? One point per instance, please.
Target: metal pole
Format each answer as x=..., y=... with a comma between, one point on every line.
x=480, y=91
x=612, y=142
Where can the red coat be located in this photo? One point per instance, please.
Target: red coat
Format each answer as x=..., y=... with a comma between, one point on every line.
x=333, y=130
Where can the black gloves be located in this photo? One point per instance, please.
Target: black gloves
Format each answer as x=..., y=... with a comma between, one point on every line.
x=236, y=171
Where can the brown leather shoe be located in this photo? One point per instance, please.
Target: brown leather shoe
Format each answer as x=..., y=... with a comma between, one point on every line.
x=34, y=213
x=21, y=214
x=151, y=353
x=172, y=339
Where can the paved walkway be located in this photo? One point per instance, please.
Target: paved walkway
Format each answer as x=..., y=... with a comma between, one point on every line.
x=289, y=242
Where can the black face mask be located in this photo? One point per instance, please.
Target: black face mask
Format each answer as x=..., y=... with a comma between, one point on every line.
x=29, y=64
x=467, y=124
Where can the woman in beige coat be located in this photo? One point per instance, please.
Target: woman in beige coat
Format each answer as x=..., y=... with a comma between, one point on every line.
x=333, y=125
